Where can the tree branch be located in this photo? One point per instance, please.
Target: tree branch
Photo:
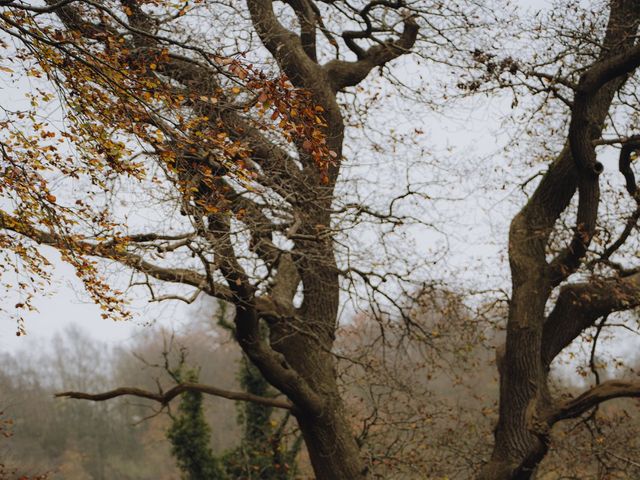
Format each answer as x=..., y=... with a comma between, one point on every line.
x=344, y=74
x=593, y=397
x=109, y=251
x=271, y=363
x=278, y=166
x=165, y=397
x=53, y=6
x=308, y=18
x=593, y=96
x=285, y=46
x=579, y=305
x=609, y=69
x=631, y=145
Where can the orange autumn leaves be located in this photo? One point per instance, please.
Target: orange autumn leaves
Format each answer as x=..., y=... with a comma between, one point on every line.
x=117, y=111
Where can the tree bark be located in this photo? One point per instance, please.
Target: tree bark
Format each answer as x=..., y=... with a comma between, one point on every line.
x=522, y=432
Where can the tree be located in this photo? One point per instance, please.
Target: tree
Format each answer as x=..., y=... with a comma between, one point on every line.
x=127, y=439
x=118, y=109
x=263, y=451
x=72, y=439
x=423, y=404
x=250, y=162
x=426, y=407
x=189, y=433
x=565, y=283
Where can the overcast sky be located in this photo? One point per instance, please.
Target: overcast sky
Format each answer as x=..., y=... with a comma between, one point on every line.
x=67, y=303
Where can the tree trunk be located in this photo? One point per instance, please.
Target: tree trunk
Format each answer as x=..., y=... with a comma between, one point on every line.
x=520, y=440
x=332, y=447
x=306, y=342
x=522, y=432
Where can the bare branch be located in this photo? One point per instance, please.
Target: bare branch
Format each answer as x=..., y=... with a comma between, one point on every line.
x=53, y=6
x=165, y=397
x=592, y=398
x=344, y=74
x=109, y=251
x=578, y=307
x=609, y=69
x=188, y=300
x=308, y=17
x=285, y=46
x=631, y=145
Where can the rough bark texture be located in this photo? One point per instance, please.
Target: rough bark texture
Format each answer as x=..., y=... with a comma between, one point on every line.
x=533, y=339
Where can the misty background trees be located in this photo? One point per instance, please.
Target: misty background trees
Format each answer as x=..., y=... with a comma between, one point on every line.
x=422, y=409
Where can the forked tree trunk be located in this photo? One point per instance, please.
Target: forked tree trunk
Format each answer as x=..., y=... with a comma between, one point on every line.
x=330, y=441
x=522, y=432
x=297, y=358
